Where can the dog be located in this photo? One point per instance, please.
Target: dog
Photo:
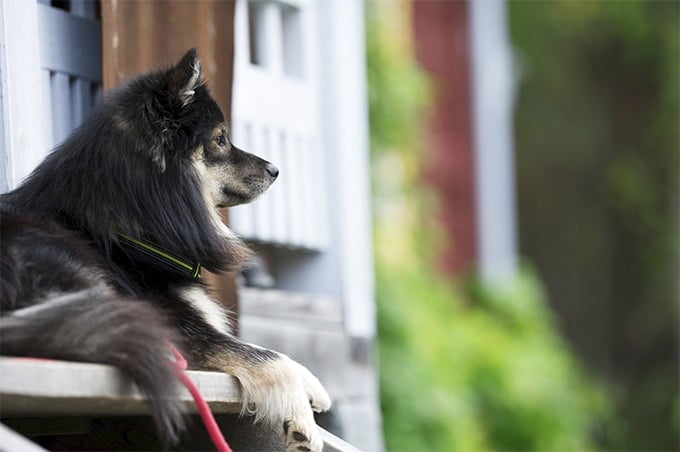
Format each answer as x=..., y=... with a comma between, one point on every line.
x=102, y=247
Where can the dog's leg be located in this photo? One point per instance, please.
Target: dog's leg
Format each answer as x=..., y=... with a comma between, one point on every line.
x=276, y=389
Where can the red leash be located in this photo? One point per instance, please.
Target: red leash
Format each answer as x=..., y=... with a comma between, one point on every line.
x=203, y=408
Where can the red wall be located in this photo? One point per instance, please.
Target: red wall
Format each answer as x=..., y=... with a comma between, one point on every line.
x=442, y=45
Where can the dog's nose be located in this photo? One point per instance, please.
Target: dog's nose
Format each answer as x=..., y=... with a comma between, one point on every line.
x=272, y=170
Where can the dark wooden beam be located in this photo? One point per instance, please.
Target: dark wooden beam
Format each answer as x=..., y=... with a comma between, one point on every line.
x=141, y=35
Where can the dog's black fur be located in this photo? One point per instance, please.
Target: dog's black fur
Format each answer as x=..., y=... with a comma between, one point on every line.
x=151, y=164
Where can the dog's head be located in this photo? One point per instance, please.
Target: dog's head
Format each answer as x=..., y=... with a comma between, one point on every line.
x=171, y=153
x=184, y=127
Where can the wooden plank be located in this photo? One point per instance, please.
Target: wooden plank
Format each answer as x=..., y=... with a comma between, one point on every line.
x=138, y=36
x=31, y=387
x=44, y=388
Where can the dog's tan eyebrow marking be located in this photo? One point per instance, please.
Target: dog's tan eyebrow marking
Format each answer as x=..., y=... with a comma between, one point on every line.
x=221, y=131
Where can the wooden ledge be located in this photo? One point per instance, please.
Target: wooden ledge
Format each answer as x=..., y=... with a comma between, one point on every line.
x=46, y=388
x=33, y=387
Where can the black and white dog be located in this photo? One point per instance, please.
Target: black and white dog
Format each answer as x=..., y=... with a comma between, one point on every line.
x=102, y=246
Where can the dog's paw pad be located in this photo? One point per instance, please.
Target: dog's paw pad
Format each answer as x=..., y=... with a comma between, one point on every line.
x=300, y=439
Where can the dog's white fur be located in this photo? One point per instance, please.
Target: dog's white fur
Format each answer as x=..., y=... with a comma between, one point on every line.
x=212, y=312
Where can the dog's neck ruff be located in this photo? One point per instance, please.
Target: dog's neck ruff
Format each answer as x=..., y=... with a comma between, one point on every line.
x=167, y=259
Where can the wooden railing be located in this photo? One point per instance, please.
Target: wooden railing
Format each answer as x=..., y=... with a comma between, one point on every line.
x=40, y=398
x=276, y=115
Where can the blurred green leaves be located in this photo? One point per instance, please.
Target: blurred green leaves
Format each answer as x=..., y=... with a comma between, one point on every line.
x=461, y=369
x=483, y=374
x=598, y=160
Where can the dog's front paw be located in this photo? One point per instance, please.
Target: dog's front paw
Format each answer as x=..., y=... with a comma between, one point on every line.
x=316, y=394
x=302, y=438
x=284, y=394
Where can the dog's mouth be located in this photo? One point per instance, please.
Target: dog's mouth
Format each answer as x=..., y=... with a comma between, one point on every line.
x=232, y=198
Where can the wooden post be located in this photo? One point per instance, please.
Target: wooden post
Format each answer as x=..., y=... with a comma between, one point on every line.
x=442, y=34
x=141, y=35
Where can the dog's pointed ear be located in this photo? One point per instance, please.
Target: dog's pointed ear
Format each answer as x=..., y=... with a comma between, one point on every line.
x=186, y=76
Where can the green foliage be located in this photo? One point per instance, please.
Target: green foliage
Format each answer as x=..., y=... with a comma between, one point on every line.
x=478, y=371
x=597, y=143
x=490, y=374
x=401, y=88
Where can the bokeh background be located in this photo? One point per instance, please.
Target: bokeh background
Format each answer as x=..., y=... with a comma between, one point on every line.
x=580, y=350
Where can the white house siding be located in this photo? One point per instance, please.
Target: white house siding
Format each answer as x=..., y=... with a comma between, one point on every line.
x=300, y=100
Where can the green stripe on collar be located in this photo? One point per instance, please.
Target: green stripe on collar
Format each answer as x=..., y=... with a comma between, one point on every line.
x=166, y=257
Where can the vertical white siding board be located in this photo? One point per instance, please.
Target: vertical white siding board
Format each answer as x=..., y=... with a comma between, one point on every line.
x=61, y=111
x=83, y=100
x=319, y=151
x=22, y=107
x=314, y=215
x=493, y=99
x=46, y=115
x=256, y=17
x=319, y=205
x=276, y=192
x=305, y=186
x=263, y=204
x=288, y=175
x=76, y=100
x=300, y=187
x=291, y=41
x=287, y=161
x=241, y=33
x=345, y=119
x=310, y=214
x=5, y=164
x=273, y=36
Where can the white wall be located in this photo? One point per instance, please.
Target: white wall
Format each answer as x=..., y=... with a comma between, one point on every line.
x=23, y=116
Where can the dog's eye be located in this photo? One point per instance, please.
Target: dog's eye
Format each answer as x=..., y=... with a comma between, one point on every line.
x=221, y=140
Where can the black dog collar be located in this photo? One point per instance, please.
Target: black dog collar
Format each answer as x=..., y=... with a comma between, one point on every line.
x=162, y=256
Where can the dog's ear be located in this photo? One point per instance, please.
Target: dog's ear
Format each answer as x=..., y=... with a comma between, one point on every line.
x=185, y=77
